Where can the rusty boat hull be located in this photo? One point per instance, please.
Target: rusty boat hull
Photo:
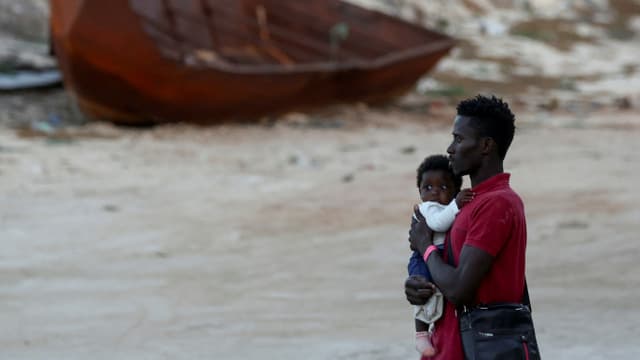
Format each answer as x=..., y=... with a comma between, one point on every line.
x=209, y=61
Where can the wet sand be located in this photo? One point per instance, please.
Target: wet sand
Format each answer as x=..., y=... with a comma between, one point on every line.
x=288, y=242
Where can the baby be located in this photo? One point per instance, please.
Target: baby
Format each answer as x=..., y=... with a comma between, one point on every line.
x=442, y=198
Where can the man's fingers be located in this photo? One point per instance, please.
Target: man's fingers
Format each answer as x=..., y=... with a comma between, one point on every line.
x=418, y=290
x=413, y=282
x=416, y=282
x=417, y=296
x=416, y=300
x=413, y=297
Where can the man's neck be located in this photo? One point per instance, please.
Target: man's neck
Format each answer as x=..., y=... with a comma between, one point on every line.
x=485, y=173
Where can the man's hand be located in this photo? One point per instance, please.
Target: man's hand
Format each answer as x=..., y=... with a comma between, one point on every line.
x=420, y=235
x=464, y=196
x=418, y=290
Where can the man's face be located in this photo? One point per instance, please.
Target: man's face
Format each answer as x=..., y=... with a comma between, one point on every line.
x=465, y=153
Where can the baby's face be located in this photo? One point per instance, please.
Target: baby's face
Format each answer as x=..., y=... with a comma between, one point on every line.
x=436, y=185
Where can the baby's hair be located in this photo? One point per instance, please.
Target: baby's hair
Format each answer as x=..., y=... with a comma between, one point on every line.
x=438, y=162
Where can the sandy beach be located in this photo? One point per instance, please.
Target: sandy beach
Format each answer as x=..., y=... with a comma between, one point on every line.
x=289, y=241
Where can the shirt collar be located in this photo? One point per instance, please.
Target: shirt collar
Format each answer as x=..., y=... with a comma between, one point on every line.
x=495, y=182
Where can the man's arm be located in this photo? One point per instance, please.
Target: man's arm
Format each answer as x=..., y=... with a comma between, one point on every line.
x=458, y=284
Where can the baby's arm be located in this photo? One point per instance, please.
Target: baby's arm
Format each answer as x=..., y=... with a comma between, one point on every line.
x=438, y=218
x=463, y=197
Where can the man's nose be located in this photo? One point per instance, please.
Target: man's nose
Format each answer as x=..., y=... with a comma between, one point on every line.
x=450, y=149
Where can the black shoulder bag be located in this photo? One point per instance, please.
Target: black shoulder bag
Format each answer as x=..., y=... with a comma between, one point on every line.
x=499, y=330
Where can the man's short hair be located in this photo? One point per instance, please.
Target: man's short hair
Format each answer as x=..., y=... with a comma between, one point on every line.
x=492, y=118
x=438, y=162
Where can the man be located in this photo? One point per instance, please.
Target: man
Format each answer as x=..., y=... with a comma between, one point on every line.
x=488, y=237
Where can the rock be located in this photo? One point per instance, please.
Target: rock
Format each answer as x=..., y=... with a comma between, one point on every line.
x=623, y=103
x=551, y=105
x=110, y=208
x=347, y=178
x=408, y=149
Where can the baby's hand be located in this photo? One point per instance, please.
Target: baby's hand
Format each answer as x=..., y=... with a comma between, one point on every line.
x=464, y=196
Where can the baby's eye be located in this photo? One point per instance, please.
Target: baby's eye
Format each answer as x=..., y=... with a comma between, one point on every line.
x=429, y=187
x=444, y=187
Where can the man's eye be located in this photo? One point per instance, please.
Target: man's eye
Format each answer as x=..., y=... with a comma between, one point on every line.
x=428, y=187
x=444, y=187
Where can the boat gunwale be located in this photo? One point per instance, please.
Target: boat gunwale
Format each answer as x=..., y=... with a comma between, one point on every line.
x=429, y=50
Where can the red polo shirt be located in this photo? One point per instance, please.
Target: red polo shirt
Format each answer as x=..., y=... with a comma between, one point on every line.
x=495, y=223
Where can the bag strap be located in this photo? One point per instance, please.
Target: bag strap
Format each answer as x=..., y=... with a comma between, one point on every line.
x=525, y=295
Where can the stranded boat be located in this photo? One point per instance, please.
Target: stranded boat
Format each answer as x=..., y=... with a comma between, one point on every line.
x=142, y=62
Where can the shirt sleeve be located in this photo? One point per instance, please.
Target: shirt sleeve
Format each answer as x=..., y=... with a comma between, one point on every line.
x=491, y=225
x=439, y=217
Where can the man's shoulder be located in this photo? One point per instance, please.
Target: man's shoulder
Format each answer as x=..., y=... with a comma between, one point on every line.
x=506, y=195
x=495, y=203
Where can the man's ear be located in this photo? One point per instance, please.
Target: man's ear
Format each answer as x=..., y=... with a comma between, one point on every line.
x=487, y=145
